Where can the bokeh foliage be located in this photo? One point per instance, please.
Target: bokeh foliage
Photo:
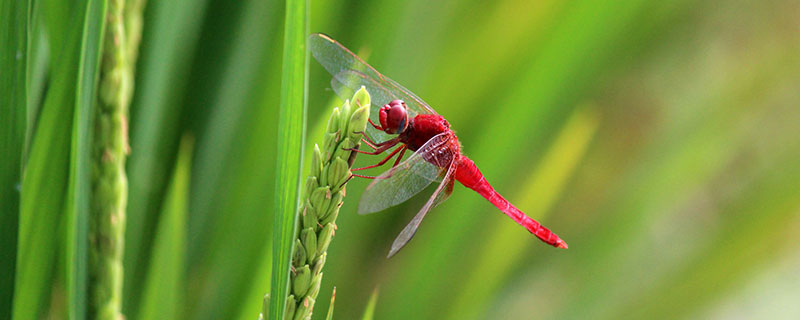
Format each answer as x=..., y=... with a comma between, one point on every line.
x=658, y=138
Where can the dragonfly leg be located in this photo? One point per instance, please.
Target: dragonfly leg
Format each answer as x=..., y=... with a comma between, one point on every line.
x=366, y=138
x=352, y=175
x=345, y=181
x=372, y=144
x=384, y=159
x=388, y=145
x=375, y=125
x=361, y=176
x=399, y=158
x=369, y=144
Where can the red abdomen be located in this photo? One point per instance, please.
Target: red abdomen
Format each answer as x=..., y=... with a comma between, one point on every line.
x=469, y=175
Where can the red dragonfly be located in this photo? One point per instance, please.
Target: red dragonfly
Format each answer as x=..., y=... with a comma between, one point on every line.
x=409, y=122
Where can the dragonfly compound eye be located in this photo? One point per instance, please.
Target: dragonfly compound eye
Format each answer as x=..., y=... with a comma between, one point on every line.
x=396, y=103
x=393, y=117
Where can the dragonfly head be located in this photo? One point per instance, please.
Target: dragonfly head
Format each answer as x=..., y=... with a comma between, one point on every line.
x=393, y=117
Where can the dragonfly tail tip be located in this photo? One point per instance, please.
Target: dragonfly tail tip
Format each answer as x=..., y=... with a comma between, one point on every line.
x=561, y=244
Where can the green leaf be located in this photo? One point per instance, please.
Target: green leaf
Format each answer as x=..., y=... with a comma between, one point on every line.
x=330, y=306
x=291, y=135
x=79, y=188
x=45, y=179
x=165, y=284
x=14, y=89
x=234, y=161
x=369, y=311
x=38, y=71
x=171, y=31
x=59, y=16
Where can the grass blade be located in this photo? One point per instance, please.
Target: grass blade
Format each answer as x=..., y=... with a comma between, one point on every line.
x=324, y=192
x=232, y=171
x=14, y=90
x=170, y=36
x=369, y=311
x=38, y=63
x=45, y=179
x=164, y=283
x=291, y=134
x=330, y=307
x=255, y=175
x=79, y=188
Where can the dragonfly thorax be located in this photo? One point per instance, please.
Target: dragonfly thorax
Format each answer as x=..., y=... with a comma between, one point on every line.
x=393, y=117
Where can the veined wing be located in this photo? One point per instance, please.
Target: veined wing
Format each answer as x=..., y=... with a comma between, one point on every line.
x=440, y=195
x=336, y=58
x=427, y=164
x=351, y=72
x=344, y=89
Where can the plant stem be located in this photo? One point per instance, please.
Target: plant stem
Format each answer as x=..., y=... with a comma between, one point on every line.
x=109, y=181
x=321, y=200
x=291, y=136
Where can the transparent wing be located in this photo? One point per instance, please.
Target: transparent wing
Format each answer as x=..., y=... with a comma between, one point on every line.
x=411, y=176
x=440, y=195
x=336, y=59
x=351, y=72
x=345, y=91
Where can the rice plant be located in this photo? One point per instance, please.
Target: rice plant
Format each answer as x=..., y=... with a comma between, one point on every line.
x=141, y=144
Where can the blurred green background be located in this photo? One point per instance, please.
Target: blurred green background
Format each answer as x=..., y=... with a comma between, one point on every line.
x=659, y=139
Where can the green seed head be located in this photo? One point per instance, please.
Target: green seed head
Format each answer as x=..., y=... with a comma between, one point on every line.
x=325, y=237
x=344, y=149
x=316, y=162
x=302, y=281
x=323, y=194
x=309, y=237
x=299, y=255
x=339, y=172
x=358, y=120
x=333, y=121
x=331, y=142
x=332, y=216
x=311, y=185
x=291, y=305
x=315, y=284
x=336, y=200
x=323, y=177
x=361, y=99
x=344, y=118
x=309, y=215
x=319, y=263
x=304, y=309
x=321, y=199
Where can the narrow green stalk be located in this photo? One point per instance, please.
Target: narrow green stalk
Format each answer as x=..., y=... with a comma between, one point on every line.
x=78, y=202
x=291, y=136
x=369, y=311
x=14, y=90
x=324, y=191
x=330, y=307
x=109, y=181
x=321, y=200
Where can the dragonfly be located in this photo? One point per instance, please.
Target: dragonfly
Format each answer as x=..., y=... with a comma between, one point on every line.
x=400, y=119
